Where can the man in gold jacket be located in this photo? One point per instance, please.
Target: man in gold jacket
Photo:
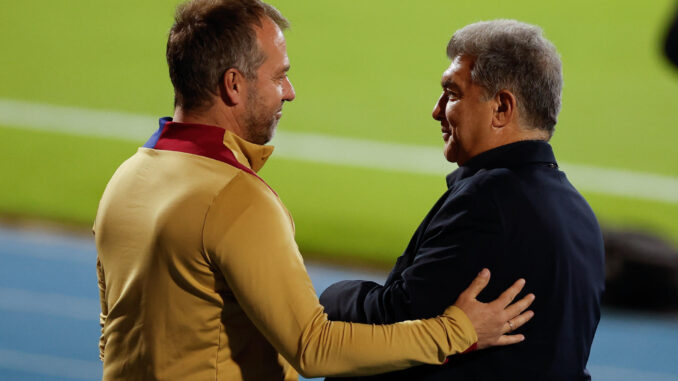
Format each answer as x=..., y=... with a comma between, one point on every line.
x=199, y=274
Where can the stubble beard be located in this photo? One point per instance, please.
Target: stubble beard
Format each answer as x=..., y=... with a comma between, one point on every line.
x=259, y=122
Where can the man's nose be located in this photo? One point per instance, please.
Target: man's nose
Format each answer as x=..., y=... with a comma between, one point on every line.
x=438, y=110
x=288, y=91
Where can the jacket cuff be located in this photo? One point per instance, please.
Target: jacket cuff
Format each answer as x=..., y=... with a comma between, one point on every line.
x=468, y=340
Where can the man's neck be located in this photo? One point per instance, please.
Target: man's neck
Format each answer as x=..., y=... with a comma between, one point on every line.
x=517, y=133
x=505, y=136
x=211, y=116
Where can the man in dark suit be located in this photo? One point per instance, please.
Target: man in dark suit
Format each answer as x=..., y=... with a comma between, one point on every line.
x=508, y=207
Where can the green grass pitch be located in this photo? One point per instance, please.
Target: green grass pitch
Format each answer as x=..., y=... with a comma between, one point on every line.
x=362, y=69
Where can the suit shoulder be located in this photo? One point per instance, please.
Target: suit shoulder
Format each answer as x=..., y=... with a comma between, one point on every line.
x=480, y=193
x=485, y=182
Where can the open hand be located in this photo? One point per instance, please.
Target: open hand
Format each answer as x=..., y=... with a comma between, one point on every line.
x=493, y=321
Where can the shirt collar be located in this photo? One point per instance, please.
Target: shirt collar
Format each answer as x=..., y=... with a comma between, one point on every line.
x=507, y=156
x=251, y=155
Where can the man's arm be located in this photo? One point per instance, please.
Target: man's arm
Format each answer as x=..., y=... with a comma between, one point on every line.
x=462, y=237
x=249, y=238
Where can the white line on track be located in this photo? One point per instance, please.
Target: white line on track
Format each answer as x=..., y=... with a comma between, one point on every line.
x=45, y=246
x=50, y=304
x=326, y=149
x=624, y=374
x=46, y=365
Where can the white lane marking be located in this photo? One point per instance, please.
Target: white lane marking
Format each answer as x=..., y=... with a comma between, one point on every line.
x=618, y=182
x=599, y=372
x=361, y=153
x=326, y=149
x=50, y=247
x=76, y=121
x=51, y=304
x=47, y=365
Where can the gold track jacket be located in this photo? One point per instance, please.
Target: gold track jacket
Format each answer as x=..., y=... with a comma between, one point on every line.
x=200, y=277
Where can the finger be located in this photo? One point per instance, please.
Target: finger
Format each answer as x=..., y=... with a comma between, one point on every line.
x=478, y=284
x=507, y=296
x=521, y=319
x=509, y=339
x=519, y=306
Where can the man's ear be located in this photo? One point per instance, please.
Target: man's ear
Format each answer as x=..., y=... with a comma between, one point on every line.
x=232, y=87
x=506, y=108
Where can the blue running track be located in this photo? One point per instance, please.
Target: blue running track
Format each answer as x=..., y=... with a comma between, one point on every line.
x=49, y=316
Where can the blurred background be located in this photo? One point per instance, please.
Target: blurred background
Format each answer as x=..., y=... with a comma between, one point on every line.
x=358, y=158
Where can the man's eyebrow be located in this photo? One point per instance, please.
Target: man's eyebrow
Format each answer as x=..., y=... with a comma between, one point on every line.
x=282, y=71
x=447, y=83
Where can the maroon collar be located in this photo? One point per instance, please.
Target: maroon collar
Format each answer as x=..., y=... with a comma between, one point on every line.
x=196, y=139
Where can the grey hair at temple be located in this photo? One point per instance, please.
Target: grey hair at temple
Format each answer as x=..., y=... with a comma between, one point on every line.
x=515, y=56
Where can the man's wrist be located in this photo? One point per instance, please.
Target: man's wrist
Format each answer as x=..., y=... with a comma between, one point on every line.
x=465, y=336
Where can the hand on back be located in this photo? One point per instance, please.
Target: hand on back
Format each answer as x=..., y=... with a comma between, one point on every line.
x=495, y=320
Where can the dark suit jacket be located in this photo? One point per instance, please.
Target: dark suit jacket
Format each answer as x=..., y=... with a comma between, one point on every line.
x=511, y=210
x=671, y=42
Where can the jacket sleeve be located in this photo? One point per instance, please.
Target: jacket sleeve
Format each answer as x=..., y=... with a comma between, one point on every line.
x=249, y=237
x=460, y=239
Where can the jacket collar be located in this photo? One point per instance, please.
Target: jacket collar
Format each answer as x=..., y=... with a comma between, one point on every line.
x=507, y=156
x=209, y=141
x=249, y=154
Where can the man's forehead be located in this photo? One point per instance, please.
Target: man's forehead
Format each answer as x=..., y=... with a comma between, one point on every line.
x=269, y=31
x=271, y=41
x=279, y=38
x=459, y=70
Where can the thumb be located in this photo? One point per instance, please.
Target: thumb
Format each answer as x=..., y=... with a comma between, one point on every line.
x=478, y=284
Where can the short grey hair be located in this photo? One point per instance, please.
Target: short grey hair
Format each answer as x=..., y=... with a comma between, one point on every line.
x=208, y=38
x=515, y=56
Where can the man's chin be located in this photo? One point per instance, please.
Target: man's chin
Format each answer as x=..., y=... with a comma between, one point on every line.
x=263, y=137
x=258, y=139
x=271, y=131
x=450, y=153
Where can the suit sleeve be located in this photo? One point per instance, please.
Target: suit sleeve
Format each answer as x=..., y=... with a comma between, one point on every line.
x=249, y=237
x=461, y=238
